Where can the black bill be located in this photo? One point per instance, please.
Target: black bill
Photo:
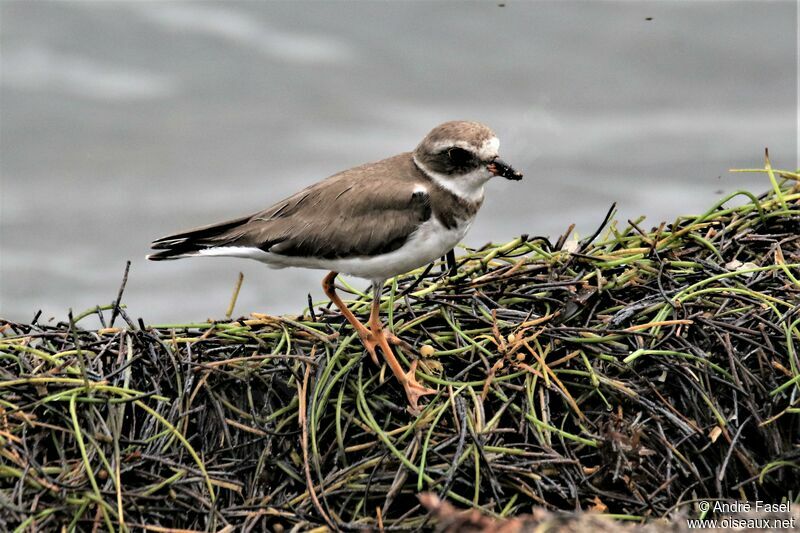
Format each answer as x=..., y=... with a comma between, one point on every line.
x=500, y=168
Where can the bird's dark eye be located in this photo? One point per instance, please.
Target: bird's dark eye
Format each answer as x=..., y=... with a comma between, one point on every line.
x=459, y=157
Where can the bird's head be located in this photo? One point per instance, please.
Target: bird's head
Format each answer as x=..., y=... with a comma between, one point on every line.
x=461, y=157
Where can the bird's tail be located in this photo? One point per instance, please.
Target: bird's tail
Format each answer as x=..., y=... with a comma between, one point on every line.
x=192, y=242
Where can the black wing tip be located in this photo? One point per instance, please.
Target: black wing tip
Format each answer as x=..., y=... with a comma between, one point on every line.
x=161, y=256
x=172, y=249
x=166, y=243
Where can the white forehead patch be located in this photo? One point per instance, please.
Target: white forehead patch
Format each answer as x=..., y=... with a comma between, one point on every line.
x=487, y=150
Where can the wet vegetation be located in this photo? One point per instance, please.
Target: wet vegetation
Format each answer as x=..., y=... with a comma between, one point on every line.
x=633, y=372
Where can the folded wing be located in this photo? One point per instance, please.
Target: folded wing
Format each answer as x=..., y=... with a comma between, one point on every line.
x=365, y=211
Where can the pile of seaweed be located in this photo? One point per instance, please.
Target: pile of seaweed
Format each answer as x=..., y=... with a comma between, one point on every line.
x=634, y=372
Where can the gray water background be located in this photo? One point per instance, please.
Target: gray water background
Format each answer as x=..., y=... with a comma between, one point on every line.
x=125, y=121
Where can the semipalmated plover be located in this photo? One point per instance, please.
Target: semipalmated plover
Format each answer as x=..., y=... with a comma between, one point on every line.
x=374, y=221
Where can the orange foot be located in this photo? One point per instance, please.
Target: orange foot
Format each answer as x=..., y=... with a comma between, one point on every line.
x=371, y=339
x=370, y=342
x=394, y=339
x=414, y=389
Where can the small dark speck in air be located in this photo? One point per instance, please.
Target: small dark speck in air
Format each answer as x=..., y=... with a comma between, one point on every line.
x=648, y=18
x=501, y=5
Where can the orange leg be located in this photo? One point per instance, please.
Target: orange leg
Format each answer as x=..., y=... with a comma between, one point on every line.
x=375, y=336
x=366, y=335
x=414, y=389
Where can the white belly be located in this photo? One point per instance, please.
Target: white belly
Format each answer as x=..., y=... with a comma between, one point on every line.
x=431, y=241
